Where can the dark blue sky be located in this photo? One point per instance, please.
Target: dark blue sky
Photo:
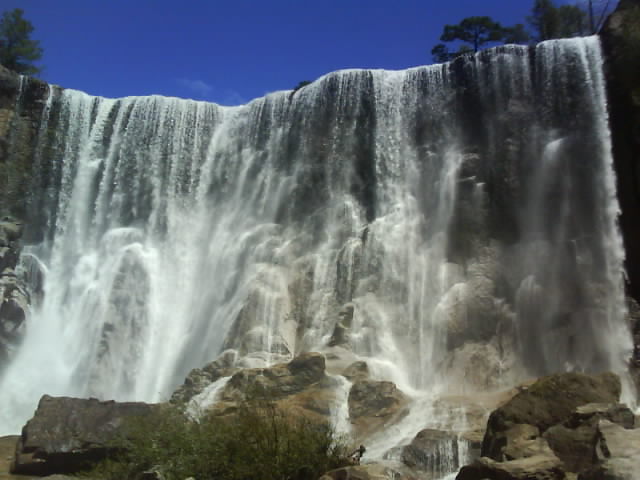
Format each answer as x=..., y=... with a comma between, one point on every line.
x=232, y=51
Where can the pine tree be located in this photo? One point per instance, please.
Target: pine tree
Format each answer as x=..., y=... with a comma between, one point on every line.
x=17, y=50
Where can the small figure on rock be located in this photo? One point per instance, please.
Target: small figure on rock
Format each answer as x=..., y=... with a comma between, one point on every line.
x=357, y=455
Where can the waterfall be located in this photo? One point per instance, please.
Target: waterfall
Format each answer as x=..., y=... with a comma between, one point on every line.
x=466, y=212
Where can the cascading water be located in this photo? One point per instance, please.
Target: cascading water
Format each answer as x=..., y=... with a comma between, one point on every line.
x=466, y=212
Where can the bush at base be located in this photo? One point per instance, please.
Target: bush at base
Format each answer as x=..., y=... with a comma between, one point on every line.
x=258, y=442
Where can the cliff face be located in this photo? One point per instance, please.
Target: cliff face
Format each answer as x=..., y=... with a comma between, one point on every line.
x=621, y=43
x=21, y=105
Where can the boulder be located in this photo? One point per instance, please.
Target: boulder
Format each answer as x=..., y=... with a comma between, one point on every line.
x=373, y=404
x=298, y=387
x=432, y=451
x=67, y=435
x=366, y=472
x=616, y=453
x=549, y=401
x=538, y=467
x=277, y=381
x=574, y=442
x=591, y=413
x=356, y=371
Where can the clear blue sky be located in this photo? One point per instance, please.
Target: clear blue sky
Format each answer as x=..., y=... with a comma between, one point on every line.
x=230, y=51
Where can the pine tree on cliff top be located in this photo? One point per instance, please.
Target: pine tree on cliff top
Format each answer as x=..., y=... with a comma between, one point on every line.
x=17, y=50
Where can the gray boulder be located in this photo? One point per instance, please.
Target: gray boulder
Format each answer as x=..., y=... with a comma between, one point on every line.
x=373, y=404
x=366, y=472
x=549, y=401
x=67, y=435
x=617, y=452
x=538, y=467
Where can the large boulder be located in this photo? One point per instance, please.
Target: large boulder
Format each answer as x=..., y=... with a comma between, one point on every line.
x=67, y=435
x=366, y=472
x=574, y=441
x=538, y=467
x=617, y=452
x=299, y=387
x=549, y=401
x=373, y=404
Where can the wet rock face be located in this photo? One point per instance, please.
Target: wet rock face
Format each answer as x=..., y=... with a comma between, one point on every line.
x=300, y=387
x=621, y=43
x=373, y=404
x=66, y=434
x=432, y=451
x=18, y=133
x=14, y=296
x=200, y=378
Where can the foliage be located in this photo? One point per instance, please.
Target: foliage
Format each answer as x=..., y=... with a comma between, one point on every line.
x=301, y=84
x=550, y=21
x=17, y=50
x=259, y=441
x=474, y=33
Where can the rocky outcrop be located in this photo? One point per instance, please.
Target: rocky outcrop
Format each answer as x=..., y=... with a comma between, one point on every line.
x=529, y=468
x=200, y=378
x=549, y=401
x=14, y=296
x=19, y=128
x=617, y=453
x=549, y=431
x=299, y=387
x=66, y=434
x=373, y=404
x=621, y=43
x=366, y=472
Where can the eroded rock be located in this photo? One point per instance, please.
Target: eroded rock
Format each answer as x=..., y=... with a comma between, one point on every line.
x=432, y=451
x=373, y=404
x=200, y=378
x=549, y=401
x=366, y=472
x=67, y=435
x=539, y=467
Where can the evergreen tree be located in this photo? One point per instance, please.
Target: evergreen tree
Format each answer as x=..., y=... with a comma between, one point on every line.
x=474, y=33
x=549, y=21
x=17, y=50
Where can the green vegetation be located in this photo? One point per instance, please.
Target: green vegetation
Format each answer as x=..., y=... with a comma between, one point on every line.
x=474, y=33
x=547, y=21
x=258, y=441
x=17, y=50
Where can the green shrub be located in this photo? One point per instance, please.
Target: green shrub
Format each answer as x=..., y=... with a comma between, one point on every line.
x=258, y=442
